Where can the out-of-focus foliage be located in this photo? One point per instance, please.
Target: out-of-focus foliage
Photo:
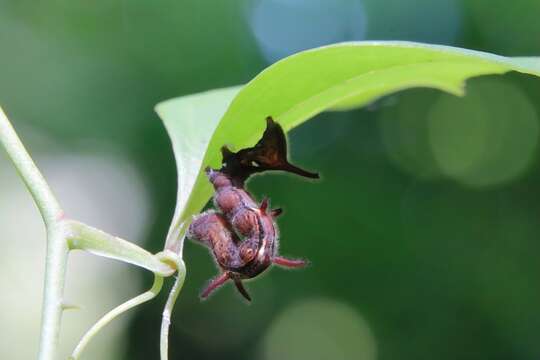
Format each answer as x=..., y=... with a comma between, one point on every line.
x=434, y=250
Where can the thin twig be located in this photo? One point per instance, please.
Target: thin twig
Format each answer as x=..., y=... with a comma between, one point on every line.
x=111, y=315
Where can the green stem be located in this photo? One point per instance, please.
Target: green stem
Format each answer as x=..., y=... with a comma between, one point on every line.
x=33, y=179
x=111, y=315
x=57, y=250
x=53, y=292
x=167, y=311
x=83, y=237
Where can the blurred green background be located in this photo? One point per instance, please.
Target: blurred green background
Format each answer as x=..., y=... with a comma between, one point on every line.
x=423, y=234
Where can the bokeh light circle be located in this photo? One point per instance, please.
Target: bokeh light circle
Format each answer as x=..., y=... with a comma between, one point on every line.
x=319, y=329
x=404, y=133
x=437, y=22
x=486, y=138
x=283, y=27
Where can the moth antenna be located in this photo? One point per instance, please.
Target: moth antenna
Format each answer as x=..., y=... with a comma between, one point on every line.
x=264, y=205
x=289, y=263
x=215, y=284
x=241, y=289
x=276, y=212
x=286, y=166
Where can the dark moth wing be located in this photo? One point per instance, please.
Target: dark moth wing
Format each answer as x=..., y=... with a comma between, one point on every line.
x=270, y=153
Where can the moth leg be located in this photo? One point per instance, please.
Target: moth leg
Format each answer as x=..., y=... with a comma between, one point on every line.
x=241, y=289
x=289, y=263
x=215, y=284
x=264, y=208
x=264, y=205
x=276, y=212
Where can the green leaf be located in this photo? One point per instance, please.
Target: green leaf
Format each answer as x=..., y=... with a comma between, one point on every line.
x=190, y=121
x=293, y=90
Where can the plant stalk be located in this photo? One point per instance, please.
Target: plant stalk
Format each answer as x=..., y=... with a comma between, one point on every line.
x=33, y=179
x=57, y=249
x=53, y=292
x=169, y=306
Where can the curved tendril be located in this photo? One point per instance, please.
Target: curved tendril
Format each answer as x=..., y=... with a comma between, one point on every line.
x=111, y=315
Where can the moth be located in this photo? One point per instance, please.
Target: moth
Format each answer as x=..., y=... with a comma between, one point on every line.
x=241, y=233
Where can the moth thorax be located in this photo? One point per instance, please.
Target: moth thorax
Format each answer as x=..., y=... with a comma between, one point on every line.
x=218, y=179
